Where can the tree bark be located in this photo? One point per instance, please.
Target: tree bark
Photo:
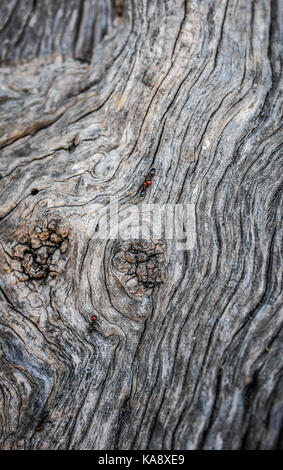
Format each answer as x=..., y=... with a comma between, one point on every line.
x=185, y=350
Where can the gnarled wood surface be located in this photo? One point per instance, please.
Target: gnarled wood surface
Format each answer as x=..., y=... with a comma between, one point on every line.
x=93, y=94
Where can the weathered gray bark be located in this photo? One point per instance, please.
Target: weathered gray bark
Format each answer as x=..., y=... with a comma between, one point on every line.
x=92, y=95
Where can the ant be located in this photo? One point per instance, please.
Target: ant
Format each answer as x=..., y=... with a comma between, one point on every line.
x=92, y=324
x=147, y=182
x=42, y=420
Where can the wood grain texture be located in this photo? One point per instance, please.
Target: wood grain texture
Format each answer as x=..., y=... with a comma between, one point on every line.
x=92, y=95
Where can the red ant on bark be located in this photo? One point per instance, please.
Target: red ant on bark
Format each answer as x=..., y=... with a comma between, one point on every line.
x=42, y=420
x=147, y=182
x=92, y=324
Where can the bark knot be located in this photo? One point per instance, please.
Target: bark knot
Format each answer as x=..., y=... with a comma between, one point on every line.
x=139, y=264
x=38, y=251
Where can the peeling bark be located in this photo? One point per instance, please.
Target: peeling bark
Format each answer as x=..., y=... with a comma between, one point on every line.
x=120, y=345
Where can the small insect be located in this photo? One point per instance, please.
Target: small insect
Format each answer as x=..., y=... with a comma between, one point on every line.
x=92, y=324
x=147, y=182
x=42, y=420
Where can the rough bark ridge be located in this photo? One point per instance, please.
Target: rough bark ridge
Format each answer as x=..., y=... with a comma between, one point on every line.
x=93, y=94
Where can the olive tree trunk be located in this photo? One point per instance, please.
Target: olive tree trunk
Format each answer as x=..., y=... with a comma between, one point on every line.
x=116, y=343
